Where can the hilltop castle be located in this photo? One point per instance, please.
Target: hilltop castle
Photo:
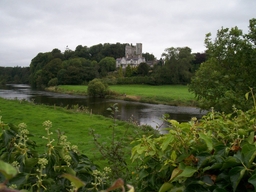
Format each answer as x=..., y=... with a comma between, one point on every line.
x=133, y=56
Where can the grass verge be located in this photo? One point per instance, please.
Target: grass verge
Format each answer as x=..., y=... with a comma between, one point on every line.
x=165, y=94
x=76, y=125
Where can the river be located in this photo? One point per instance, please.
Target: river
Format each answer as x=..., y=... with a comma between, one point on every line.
x=142, y=113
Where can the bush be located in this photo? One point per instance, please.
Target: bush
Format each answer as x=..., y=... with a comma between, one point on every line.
x=97, y=88
x=216, y=154
x=36, y=171
x=53, y=82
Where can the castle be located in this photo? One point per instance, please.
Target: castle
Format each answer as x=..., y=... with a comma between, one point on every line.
x=133, y=56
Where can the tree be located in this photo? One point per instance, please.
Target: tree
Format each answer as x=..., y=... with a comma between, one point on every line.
x=96, y=88
x=106, y=65
x=148, y=56
x=143, y=69
x=177, y=66
x=229, y=71
x=128, y=71
x=199, y=58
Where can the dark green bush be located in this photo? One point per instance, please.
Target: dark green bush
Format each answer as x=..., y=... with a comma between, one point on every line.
x=97, y=88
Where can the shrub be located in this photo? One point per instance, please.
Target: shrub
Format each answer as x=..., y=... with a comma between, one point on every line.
x=216, y=154
x=97, y=88
x=53, y=82
x=42, y=171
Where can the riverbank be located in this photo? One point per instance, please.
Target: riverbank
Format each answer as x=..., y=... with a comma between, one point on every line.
x=175, y=95
x=76, y=124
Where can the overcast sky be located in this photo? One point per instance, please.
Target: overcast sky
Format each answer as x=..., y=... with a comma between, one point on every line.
x=32, y=26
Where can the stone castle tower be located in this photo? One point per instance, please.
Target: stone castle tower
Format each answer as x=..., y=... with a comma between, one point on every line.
x=133, y=51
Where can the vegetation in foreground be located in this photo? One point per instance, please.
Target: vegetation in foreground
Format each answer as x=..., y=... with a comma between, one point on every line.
x=76, y=123
x=164, y=94
x=42, y=151
x=216, y=154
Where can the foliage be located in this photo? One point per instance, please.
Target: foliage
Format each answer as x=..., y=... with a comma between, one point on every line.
x=113, y=150
x=177, y=67
x=143, y=69
x=216, y=154
x=106, y=65
x=41, y=171
x=229, y=71
x=17, y=75
x=148, y=56
x=73, y=67
x=97, y=88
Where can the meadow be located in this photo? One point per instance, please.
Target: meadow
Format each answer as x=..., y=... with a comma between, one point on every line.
x=164, y=94
x=75, y=124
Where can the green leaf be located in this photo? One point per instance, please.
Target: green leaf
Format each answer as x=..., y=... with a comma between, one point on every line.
x=167, y=141
x=252, y=180
x=247, y=95
x=75, y=180
x=188, y=171
x=249, y=154
x=19, y=179
x=175, y=173
x=230, y=162
x=250, y=138
x=173, y=122
x=7, y=170
x=219, y=190
x=236, y=174
x=165, y=187
x=208, y=140
x=173, y=156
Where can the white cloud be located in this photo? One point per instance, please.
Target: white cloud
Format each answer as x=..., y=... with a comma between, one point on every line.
x=29, y=27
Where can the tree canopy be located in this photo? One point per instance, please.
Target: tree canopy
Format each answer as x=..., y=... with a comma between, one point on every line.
x=74, y=67
x=229, y=72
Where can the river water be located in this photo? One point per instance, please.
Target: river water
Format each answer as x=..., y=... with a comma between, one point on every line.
x=142, y=113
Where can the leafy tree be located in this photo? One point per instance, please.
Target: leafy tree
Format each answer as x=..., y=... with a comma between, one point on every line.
x=199, y=58
x=68, y=54
x=56, y=53
x=143, y=69
x=96, y=52
x=14, y=75
x=176, y=68
x=229, y=71
x=128, y=71
x=106, y=65
x=82, y=52
x=50, y=71
x=97, y=88
x=62, y=77
x=53, y=82
x=148, y=56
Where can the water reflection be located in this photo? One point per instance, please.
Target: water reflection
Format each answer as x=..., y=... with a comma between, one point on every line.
x=144, y=114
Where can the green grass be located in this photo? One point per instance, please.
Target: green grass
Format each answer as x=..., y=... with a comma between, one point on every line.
x=76, y=125
x=165, y=94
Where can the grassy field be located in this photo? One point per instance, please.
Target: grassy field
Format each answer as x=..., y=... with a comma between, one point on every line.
x=76, y=125
x=165, y=94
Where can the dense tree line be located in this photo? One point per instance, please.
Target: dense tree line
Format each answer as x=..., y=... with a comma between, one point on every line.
x=18, y=75
x=177, y=66
x=87, y=63
x=74, y=67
